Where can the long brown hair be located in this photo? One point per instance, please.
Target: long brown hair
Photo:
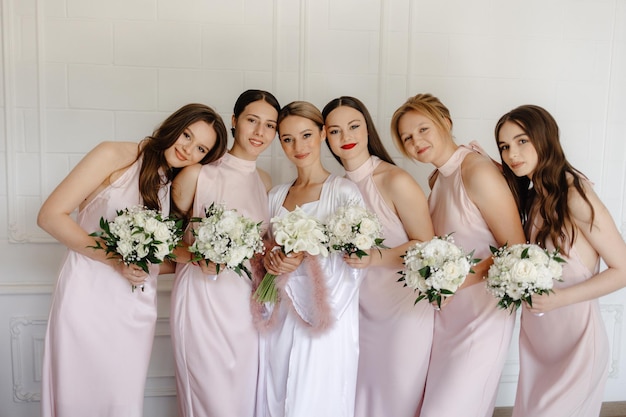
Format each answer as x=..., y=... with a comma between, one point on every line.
x=548, y=193
x=374, y=144
x=153, y=149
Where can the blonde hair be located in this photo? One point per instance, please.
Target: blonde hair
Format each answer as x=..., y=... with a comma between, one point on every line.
x=302, y=109
x=427, y=105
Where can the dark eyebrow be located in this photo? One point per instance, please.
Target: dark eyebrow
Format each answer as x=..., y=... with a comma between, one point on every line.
x=257, y=117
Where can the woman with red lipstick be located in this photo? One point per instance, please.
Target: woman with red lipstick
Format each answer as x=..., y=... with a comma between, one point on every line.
x=563, y=345
x=389, y=383
x=214, y=338
x=100, y=333
x=310, y=345
x=469, y=199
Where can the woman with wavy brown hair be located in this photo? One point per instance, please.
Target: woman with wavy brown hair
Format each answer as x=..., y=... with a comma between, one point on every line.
x=563, y=344
x=100, y=333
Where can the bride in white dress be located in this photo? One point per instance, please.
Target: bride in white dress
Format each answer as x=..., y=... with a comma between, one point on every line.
x=310, y=344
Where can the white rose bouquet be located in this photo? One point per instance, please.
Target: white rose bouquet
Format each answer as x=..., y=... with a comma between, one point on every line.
x=436, y=269
x=225, y=237
x=354, y=229
x=520, y=271
x=139, y=236
x=295, y=232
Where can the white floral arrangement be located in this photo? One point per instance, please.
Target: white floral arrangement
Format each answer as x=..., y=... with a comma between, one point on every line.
x=227, y=238
x=521, y=270
x=436, y=268
x=354, y=229
x=295, y=232
x=139, y=236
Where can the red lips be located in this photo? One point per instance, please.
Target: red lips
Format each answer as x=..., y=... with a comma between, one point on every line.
x=348, y=146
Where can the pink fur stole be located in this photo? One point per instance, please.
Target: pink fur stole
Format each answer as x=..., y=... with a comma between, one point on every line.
x=321, y=317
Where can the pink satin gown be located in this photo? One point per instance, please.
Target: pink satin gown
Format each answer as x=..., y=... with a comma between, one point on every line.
x=564, y=355
x=215, y=341
x=472, y=334
x=390, y=380
x=100, y=333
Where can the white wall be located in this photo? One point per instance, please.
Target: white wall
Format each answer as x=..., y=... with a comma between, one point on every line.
x=76, y=72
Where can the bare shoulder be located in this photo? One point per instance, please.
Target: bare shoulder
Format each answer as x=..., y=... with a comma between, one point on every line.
x=188, y=174
x=266, y=178
x=579, y=208
x=480, y=174
x=115, y=154
x=394, y=177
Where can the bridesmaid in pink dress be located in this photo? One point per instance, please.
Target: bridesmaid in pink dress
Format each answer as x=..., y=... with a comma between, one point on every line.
x=390, y=382
x=214, y=338
x=564, y=349
x=100, y=333
x=470, y=199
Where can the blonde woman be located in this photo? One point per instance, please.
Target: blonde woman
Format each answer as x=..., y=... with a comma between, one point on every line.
x=470, y=200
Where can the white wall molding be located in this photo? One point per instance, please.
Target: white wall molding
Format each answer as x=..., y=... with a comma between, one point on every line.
x=27, y=345
x=164, y=286
x=27, y=339
x=613, y=317
x=21, y=207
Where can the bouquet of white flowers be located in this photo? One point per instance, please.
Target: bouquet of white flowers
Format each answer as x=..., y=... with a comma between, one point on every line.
x=354, y=229
x=520, y=271
x=226, y=238
x=436, y=269
x=139, y=236
x=296, y=232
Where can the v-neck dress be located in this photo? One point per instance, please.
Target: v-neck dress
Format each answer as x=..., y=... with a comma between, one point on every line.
x=310, y=374
x=100, y=333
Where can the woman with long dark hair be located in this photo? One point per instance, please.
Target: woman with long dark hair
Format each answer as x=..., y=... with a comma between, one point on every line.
x=390, y=382
x=100, y=333
x=214, y=338
x=563, y=346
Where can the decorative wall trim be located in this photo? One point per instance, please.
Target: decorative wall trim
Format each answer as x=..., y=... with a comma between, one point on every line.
x=302, y=57
x=164, y=285
x=614, y=332
x=27, y=339
x=27, y=345
x=8, y=48
x=18, y=232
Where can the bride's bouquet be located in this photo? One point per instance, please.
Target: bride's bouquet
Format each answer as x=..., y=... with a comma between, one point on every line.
x=354, y=229
x=139, y=236
x=225, y=237
x=436, y=269
x=520, y=271
x=295, y=232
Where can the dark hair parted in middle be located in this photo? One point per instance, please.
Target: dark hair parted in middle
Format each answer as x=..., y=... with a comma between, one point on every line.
x=374, y=144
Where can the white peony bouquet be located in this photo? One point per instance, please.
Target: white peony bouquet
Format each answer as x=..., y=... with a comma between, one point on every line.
x=139, y=236
x=295, y=232
x=520, y=271
x=354, y=229
x=436, y=269
x=225, y=237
